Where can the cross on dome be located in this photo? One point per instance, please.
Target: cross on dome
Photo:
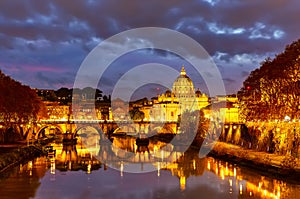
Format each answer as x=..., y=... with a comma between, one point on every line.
x=182, y=72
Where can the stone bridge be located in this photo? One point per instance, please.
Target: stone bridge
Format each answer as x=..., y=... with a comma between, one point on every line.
x=48, y=128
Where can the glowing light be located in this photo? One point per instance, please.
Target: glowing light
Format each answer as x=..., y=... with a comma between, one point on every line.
x=194, y=164
x=21, y=168
x=89, y=167
x=222, y=173
x=287, y=118
x=241, y=189
x=121, y=169
x=230, y=182
x=208, y=166
x=182, y=182
x=52, y=166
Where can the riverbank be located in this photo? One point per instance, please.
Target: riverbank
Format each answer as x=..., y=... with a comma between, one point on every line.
x=284, y=167
x=17, y=155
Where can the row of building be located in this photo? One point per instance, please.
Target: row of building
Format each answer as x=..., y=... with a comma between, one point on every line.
x=168, y=106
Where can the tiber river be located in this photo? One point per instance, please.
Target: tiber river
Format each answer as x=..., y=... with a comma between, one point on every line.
x=74, y=173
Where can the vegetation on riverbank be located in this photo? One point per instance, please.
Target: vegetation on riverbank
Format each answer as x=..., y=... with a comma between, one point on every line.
x=18, y=155
x=276, y=165
x=271, y=92
x=19, y=108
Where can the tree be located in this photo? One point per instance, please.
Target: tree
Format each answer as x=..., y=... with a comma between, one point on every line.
x=19, y=104
x=273, y=91
x=64, y=95
x=136, y=114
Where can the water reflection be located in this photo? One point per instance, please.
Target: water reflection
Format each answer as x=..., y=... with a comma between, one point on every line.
x=73, y=171
x=72, y=158
x=247, y=184
x=234, y=180
x=23, y=180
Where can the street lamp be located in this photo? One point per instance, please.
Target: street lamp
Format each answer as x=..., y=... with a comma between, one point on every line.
x=287, y=118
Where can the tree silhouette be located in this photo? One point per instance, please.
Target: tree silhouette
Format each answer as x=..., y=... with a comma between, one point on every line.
x=136, y=114
x=19, y=104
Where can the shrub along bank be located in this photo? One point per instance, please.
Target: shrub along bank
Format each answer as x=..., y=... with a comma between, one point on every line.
x=18, y=155
x=287, y=166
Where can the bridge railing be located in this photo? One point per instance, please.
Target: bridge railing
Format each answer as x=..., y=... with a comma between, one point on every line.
x=101, y=121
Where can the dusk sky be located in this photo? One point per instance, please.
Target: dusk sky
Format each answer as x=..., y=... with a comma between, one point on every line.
x=43, y=43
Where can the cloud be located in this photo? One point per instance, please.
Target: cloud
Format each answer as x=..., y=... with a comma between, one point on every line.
x=58, y=34
x=46, y=80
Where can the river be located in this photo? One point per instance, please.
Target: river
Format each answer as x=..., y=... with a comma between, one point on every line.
x=73, y=172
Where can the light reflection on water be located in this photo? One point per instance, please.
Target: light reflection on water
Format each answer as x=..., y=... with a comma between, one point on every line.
x=73, y=172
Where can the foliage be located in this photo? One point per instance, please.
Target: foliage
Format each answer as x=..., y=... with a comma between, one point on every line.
x=189, y=122
x=17, y=155
x=194, y=123
x=19, y=104
x=289, y=162
x=64, y=95
x=280, y=138
x=136, y=114
x=273, y=90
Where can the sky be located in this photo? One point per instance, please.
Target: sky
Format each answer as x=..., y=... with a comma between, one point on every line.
x=43, y=43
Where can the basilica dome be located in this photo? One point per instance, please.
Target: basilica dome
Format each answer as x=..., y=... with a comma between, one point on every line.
x=183, y=86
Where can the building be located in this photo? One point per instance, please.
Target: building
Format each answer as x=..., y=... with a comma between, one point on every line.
x=119, y=110
x=56, y=111
x=224, y=109
x=170, y=105
x=165, y=108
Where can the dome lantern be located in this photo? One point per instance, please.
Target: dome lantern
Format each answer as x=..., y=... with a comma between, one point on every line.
x=182, y=72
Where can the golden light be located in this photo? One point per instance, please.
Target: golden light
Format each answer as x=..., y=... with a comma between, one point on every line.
x=230, y=182
x=182, y=182
x=194, y=164
x=222, y=173
x=21, y=168
x=241, y=189
x=30, y=167
x=52, y=166
x=208, y=165
x=89, y=167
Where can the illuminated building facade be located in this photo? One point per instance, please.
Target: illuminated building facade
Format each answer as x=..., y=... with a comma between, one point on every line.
x=56, y=111
x=171, y=104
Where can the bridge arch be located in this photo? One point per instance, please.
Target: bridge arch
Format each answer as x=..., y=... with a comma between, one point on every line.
x=86, y=129
x=49, y=130
x=162, y=129
x=89, y=136
x=126, y=129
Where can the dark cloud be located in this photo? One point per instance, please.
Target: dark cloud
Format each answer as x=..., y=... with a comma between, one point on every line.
x=48, y=80
x=60, y=33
